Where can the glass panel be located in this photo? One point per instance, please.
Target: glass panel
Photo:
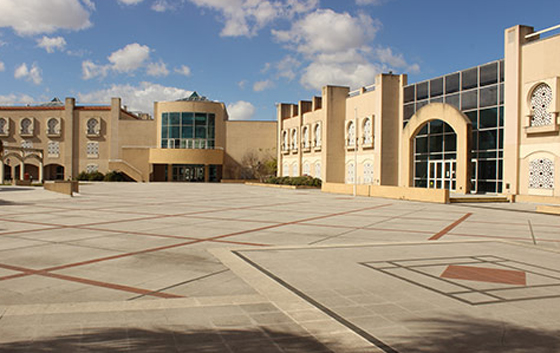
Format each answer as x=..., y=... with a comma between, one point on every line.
x=436, y=143
x=436, y=87
x=421, y=183
x=502, y=70
x=501, y=121
x=487, y=170
x=501, y=100
x=187, y=118
x=436, y=126
x=486, y=186
x=211, y=132
x=421, y=104
x=165, y=119
x=200, y=132
x=501, y=139
x=200, y=119
x=474, y=141
x=488, y=118
x=421, y=145
x=211, y=119
x=491, y=154
x=453, y=100
x=421, y=170
x=409, y=94
x=174, y=119
x=452, y=83
x=473, y=116
x=408, y=111
x=164, y=132
x=423, y=130
x=211, y=144
x=436, y=100
x=174, y=132
x=469, y=100
x=450, y=142
x=487, y=140
x=187, y=132
x=469, y=78
x=422, y=91
x=489, y=74
x=164, y=143
x=489, y=96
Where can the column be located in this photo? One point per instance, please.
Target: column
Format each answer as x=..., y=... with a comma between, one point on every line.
x=22, y=171
x=41, y=172
x=170, y=172
x=206, y=173
x=1, y=171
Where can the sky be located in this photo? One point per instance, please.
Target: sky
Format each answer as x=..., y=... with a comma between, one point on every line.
x=249, y=54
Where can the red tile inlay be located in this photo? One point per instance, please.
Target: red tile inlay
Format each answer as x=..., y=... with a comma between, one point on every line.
x=483, y=274
x=450, y=227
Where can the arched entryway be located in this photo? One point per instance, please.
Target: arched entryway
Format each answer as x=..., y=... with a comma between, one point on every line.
x=54, y=172
x=446, y=153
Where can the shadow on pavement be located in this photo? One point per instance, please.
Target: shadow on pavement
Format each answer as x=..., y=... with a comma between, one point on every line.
x=118, y=340
x=461, y=335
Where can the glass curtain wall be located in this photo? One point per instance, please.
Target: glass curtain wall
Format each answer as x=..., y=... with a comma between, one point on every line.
x=479, y=93
x=188, y=130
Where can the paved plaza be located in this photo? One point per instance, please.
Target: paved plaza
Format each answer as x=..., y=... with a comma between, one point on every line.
x=126, y=267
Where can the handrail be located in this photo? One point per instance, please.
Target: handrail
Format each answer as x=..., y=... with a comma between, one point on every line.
x=534, y=34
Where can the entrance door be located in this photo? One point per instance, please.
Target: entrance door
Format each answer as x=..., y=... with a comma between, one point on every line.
x=441, y=174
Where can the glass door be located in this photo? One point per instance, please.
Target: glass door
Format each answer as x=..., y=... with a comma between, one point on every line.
x=441, y=174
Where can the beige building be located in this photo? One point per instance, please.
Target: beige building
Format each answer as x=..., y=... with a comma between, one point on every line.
x=188, y=140
x=492, y=129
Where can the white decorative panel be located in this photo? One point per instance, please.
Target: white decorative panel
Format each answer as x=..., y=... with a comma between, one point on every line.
x=541, y=174
x=540, y=104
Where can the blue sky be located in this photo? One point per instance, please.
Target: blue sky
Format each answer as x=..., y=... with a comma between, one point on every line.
x=249, y=54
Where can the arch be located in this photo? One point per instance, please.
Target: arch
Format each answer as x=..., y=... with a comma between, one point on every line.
x=351, y=133
x=14, y=155
x=54, y=171
x=458, y=122
x=33, y=156
x=539, y=100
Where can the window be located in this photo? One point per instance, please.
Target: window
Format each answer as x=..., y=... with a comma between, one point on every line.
x=294, y=140
x=368, y=132
x=541, y=174
x=188, y=130
x=93, y=127
x=26, y=144
x=540, y=103
x=92, y=149
x=26, y=126
x=318, y=170
x=53, y=149
x=4, y=126
x=53, y=127
x=368, y=173
x=306, y=142
x=306, y=169
x=285, y=140
x=350, y=173
x=286, y=170
x=92, y=168
x=295, y=170
x=317, y=133
x=351, y=134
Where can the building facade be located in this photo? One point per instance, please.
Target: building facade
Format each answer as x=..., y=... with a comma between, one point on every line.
x=493, y=128
x=189, y=140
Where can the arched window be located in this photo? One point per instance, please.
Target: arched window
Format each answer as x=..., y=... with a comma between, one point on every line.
x=306, y=169
x=351, y=134
x=295, y=170
x=285, y=140
x=368, y=173
x=541, y=98
x=26, y=125
x=92, y=127
x=368, y=132
x=541, y=174
x=294, y=140
x=286, y=170
x=306, y=142
x=317, y=133
x=52, y=127
x=318, y=170
x=350, y=173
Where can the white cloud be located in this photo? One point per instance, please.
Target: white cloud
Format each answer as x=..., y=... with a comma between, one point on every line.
x=90, y=4
x=247, y=17
x=242, y=84
x=130, y=2
x=162, y=6
x=51, y=44
x=32, y=74
x=370, y=2
x=183, y=70
x=129, y=58
x=139, y=98
x=241, y=110
x=91, y=70
x=32, y=17
x=157, y=69
x=262, y=85
x=14, y=98
x=336, y=49
x=2, y=67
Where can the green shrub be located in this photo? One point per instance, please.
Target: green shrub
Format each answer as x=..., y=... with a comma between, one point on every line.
x=297, y=181
x=96, y=176
x=114, y=176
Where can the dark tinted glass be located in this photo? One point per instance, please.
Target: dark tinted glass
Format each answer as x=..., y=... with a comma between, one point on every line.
x=473, y=116
x=501, y=118
x=486, y=186
x=200, y=119
x=409, y=94
x=469, y=78
x=469, y=100
x=211, y=119
x=436, y=100
x=452, y=83
x=164, y=144
x=421, y=145
x=200, y=132
x=501, y=139
x=211, y=132
x=436, y=143
x=436, y=127
x=436, y=87
x=174, y=119
x=502, y=71
x=502, y=93
x=164, y=132
x=487, y=170
x=187, y=118
x=165, y=119
x=488, y=118
x=453, y=100
x=421, y=104
x=422, y=91
x=489, y=96
x=474, y=141
x=408, y=111
x=421, y=170
x=489, y=74
x=174, y=132
x=488, y=140
x=450, y=142
x=187, y=132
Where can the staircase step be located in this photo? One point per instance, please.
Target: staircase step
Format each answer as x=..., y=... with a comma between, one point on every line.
x=482, y=199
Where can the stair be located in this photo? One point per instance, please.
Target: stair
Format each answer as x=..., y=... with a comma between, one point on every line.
x=125, y=167
x=477, y=199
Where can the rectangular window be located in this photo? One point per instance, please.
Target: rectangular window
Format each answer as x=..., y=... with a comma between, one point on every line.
x=165, y=119
x=409, y=94
x=489, y=74
x=174, y=132
x=92, y=149
x=489, y=96
x=469, y=78
x=453, y=100
x=488, y=140
x=408, y=111
x=488, y=118
x=164, y=132
x=211, y=119
x=200, y=119
x=452, y=83
x=422, y=91
x=436, y=87
x=469, y=100
x=187, y=132
x=174, y=119
x=200, y=132
x=473, y=116
x=187, y=119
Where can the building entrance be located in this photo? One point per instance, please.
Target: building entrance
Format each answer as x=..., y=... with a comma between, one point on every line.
x=188, y=172
x=441, y=174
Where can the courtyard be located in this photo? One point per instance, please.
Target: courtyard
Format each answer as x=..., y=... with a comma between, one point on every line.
x=165, y=267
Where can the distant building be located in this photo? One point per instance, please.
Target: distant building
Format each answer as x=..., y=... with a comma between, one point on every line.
x=493, y=128
x=188, y=140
